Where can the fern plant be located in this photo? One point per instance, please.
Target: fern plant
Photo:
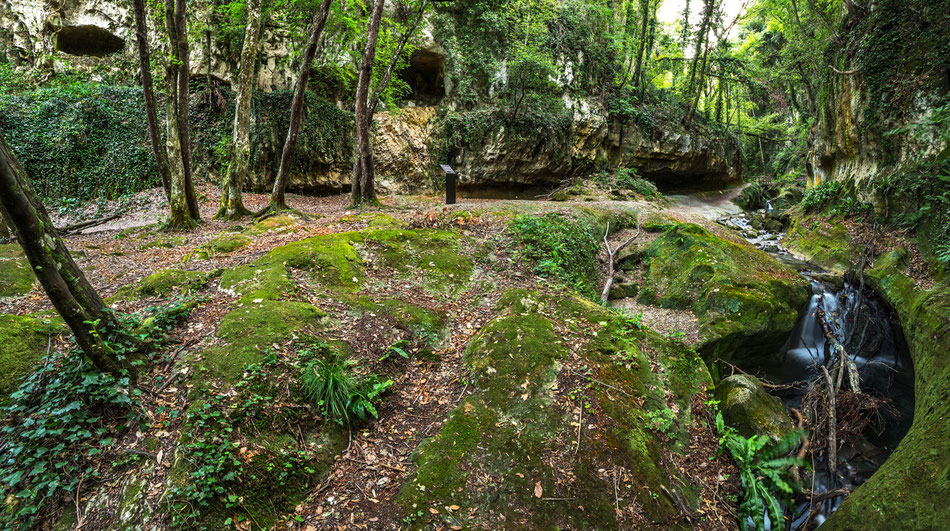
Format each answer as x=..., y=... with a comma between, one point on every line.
x=332, y=384
x=764, y=472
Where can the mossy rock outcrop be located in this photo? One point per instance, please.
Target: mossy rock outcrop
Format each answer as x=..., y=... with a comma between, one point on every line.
x=911, y=489
x=226, y=242
x=162, y=284
x=490, y=461
x=16, y=276
x=822, y=242
x=747, y=303
x=23, y=341
x=337, y=263
x=748, y=408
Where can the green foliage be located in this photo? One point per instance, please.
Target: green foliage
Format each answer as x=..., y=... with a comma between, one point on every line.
x=662, y=420
x=764, y=472
x=470, y=130
x=397, y=349
x=753, y=197
x=627, y=178
x=84, y=141
x=332, y=384
x=821, y=195
x=62, y=417
x=80, y=141
x=560, y=248
x=222, y=472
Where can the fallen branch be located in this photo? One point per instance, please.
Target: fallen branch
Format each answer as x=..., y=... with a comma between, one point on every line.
x=832, y=424
x=68, y=229
x=844, y=72
x=611, y=256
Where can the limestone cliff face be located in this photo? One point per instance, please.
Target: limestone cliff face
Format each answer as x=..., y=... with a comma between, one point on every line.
x=876, y=117
x=595, y=142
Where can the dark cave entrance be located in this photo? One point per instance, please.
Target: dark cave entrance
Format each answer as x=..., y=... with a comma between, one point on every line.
x=425, y=77
x=88, y=41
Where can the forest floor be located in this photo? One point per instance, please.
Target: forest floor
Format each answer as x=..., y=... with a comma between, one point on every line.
x=360, y=488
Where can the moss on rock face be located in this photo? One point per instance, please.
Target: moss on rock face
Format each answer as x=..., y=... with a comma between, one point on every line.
x=23, y=342
x=491, y=453
x=748, y=408
x=746, y=301
x=911, y=489
x=822, y=242
x=162, y=284
x=16, y=276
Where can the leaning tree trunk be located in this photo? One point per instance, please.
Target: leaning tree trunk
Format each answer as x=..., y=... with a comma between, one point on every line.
x=363, y=184
x=181, y=215
x=232, y=204
x=69, y=291
x=141, y=35
x=277, y=199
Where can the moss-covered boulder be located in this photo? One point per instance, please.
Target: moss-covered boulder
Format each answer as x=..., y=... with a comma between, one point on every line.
x=822, y=242
x=226, y=242
x=748, y=408
x=337, y=263
x=504, y=453
x=162, y=284
x=745, y=300
x=23, y=341
x=16, y=276
x=911, y=489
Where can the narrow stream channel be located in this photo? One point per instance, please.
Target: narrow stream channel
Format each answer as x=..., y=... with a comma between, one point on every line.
x=871, y=334
x=865, y=326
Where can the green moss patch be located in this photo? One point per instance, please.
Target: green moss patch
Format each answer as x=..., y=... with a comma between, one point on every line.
x=162, y=284
x=911, y=488
x=280, y=223
x=248, y=332
x=746, y=301
x=16, y=276
x=823, y=242
x=496, y=447
x=226, y=242
x=23, y=341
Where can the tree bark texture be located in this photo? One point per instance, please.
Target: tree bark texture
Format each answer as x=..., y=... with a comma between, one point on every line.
x=181, y=214
x=363, y=184
x=141, y=36
x=277, y=199
x=65, y=284
x=232, y=204
x=184, y=124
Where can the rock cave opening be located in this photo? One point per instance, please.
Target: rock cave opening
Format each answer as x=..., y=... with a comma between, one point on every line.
x=88, y=40
x=425, y=76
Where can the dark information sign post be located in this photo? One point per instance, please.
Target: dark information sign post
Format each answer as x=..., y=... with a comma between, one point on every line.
x=450, y=180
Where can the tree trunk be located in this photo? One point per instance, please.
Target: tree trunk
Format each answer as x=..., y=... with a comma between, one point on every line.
x=76, y=301
x=277, y=199
x=387, y=77
x=180, y=213
x=232, y=204
x=184, y=124
x=363, y=184
x=644, y=22
x=141, y=35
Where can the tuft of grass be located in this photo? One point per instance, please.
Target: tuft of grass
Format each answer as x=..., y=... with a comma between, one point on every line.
x=332, y=384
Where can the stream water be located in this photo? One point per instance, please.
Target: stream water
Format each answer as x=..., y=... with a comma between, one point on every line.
x=868, y=331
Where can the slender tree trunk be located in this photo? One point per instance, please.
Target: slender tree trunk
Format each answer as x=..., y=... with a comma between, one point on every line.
x=357, y=171
x=363, y=184
x=180, y=213
x=644, y=22
x=700, y=41
x=184, y=123
x=141, y=36
x=277, y=199
x=700, y=58
x=74, y=298
x=232, y=204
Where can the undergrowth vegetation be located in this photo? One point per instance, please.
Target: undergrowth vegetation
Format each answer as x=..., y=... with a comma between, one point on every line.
x=765, y=472
x=560, y=248
x=65, y=416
